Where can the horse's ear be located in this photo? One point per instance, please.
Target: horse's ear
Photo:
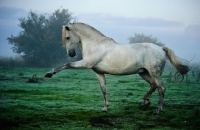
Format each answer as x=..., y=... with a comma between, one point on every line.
x=67, y=28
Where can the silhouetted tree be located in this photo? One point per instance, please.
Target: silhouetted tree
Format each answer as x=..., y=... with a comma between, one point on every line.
x=140, y=38
x=39, y=42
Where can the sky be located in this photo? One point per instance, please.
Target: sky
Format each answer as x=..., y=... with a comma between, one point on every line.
x=176, y=23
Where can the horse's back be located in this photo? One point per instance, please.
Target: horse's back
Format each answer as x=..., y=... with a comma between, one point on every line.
x=147, y=46
x=148, y=50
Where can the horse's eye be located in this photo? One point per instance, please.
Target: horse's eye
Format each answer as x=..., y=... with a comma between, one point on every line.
x=67, y=38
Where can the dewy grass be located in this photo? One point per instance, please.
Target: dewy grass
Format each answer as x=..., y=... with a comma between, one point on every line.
x=72, y=99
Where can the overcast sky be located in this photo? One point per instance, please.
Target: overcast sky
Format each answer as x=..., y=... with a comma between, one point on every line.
x=174, y=22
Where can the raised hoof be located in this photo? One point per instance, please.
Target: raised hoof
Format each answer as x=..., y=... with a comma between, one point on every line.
x=48, y=75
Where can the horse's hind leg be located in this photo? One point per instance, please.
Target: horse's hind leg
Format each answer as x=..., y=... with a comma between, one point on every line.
x=148, y=78
x=155, y=81
x=147, y=96
x=161, y=91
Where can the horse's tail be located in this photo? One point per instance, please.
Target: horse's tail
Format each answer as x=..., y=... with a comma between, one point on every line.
x=182, y=69
x=63, y=35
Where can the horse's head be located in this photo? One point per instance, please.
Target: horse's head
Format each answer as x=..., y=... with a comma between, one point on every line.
x=70, y=39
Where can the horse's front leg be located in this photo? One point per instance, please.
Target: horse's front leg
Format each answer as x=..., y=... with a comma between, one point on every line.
x=102, y=81
x=77, y=64
x=55, y=70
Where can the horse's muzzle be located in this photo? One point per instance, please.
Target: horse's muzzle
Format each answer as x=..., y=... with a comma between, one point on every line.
x=71, y=53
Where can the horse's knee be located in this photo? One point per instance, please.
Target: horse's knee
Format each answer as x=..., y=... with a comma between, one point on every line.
x=103, y=89
x=161, y=91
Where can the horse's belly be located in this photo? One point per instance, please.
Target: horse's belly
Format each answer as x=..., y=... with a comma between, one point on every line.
x=118, y=71
x=119, y=66
x=120, y=61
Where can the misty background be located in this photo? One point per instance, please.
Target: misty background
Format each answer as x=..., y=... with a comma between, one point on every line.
x=174, y=23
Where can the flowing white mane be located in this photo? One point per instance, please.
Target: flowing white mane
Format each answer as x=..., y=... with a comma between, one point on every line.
x=85, y=28
x=88, y=31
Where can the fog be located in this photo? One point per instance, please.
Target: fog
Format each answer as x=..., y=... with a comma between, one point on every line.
x=174, y=23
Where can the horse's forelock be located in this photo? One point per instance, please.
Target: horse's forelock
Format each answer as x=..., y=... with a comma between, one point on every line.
x=64, y=35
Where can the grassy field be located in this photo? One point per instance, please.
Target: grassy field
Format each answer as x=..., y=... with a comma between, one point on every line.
x=72, y=99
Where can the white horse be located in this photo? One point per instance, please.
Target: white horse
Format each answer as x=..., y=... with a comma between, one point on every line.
x=105, y=56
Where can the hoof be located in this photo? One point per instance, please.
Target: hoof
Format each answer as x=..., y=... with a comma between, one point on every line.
x=103, y=110
x=147, y=105
x=156, y=112
x=48, y=75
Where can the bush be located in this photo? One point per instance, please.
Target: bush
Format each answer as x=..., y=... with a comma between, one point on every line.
x=12, y=61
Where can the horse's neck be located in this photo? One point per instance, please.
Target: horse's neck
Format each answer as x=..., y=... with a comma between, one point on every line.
x=89, y=34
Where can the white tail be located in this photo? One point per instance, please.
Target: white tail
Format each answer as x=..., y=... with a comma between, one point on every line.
x=182, y=69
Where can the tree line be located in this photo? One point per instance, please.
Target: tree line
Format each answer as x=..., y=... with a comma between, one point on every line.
x=39, y=42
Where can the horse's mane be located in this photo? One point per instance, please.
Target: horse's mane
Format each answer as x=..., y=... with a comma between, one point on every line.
x=90, y=27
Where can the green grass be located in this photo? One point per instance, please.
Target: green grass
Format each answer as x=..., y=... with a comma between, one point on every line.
x=72, y=99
